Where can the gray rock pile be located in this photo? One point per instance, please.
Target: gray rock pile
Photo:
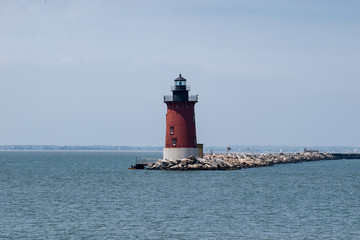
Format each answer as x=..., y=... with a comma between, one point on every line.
x=232, y=161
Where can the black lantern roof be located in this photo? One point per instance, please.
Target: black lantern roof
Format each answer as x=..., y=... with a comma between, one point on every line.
x=180, y=78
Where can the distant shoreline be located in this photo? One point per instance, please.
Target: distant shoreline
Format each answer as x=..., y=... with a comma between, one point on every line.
x=208, y=149
x=58, y=150
x=75, y=148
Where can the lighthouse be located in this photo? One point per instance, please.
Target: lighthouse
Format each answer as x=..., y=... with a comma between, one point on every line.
x=180, y=137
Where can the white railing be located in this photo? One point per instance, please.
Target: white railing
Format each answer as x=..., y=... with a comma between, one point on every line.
x=168, y=98
x=192, y=98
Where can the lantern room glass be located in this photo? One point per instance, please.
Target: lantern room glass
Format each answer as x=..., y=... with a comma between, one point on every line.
x=180, y=83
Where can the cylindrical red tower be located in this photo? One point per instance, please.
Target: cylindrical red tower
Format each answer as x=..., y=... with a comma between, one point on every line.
x=180, y=139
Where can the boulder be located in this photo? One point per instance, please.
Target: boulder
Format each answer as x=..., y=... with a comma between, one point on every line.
x=173, y=162
x=165, y=162
x=176, y=167
x=194, y=166
x=187, y=161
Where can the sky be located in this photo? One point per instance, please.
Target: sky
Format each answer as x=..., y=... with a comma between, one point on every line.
x=94, y=72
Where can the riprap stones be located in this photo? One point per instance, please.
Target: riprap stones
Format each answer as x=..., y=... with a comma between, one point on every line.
x=232, y=161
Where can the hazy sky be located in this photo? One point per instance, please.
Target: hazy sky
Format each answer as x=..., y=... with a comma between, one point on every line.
x=88, y=72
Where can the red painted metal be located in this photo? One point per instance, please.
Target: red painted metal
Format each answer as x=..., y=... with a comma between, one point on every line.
x=180, y=116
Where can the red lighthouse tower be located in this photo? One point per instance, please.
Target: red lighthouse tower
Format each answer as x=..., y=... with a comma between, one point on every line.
x=180, y=140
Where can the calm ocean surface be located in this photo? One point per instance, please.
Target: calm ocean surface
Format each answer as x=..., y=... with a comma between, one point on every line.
x=92, y=195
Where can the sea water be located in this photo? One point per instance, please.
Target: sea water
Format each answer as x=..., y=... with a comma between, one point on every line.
x=93, y=195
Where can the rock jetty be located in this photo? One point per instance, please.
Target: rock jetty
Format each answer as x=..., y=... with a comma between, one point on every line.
x=233, y=161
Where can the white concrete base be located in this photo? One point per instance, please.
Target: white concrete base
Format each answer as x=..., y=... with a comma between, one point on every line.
x=179, y=153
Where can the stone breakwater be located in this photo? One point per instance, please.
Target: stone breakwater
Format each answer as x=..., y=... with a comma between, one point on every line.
x=233, y=161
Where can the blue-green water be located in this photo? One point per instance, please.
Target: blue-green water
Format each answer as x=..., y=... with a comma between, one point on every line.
x=92, y=195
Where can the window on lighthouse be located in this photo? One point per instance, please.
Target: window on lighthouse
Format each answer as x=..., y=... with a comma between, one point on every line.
x=180, y=83
x=171, y=130
x=174, y=142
